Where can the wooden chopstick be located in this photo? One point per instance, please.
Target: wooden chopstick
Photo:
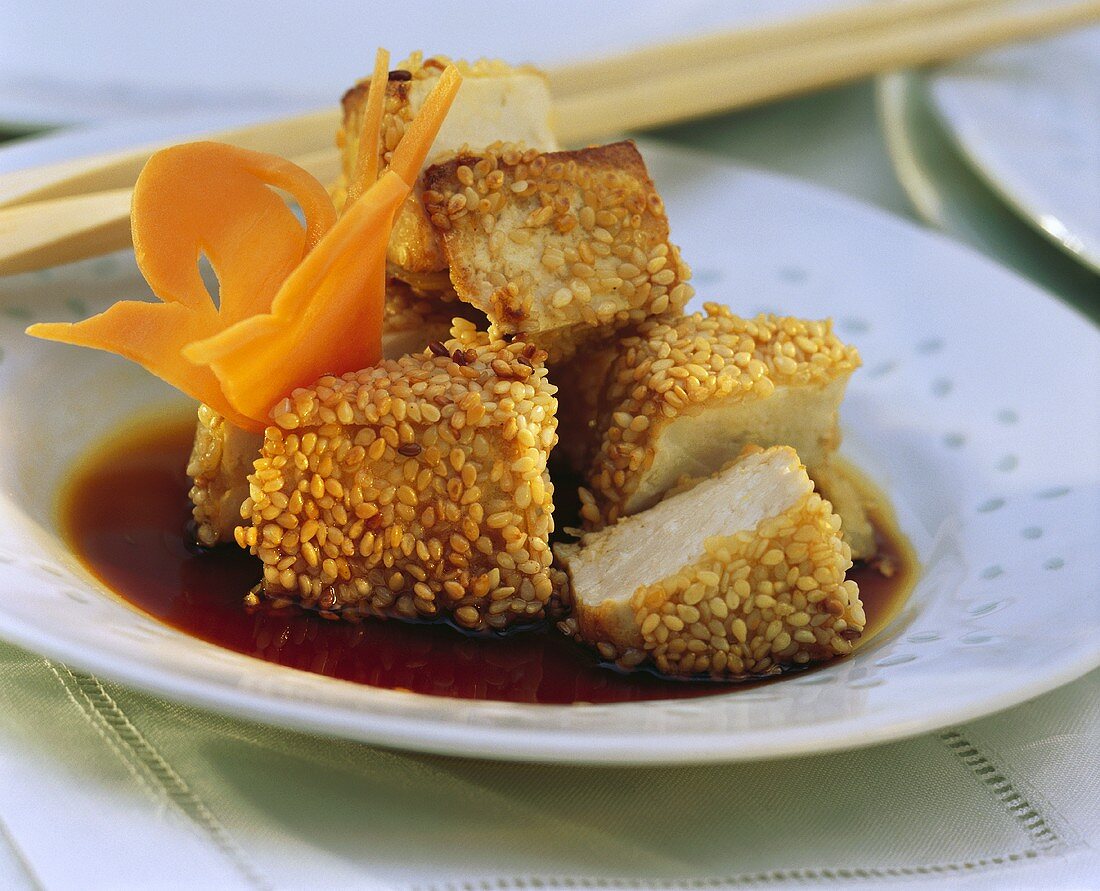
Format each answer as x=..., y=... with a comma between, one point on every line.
x=291, y=136
x=646, y=94
x=74, y=227
x=582, y=76
x=582, y=90
x=54, y=215
x=62, y=230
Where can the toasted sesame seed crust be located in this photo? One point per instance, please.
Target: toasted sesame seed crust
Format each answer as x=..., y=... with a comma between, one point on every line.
x=562, y=247
x=765, y=599
x=406, y=311
x=677, y=366
x=580, y=385
x=410, y=322
x=221, y=458
x=415, y=489
x=852, y=500
x=753, y=603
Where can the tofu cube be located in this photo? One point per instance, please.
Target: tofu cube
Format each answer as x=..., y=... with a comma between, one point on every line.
x=563, y=248
x=416, y=489
x=685, y=395
x=739, y=575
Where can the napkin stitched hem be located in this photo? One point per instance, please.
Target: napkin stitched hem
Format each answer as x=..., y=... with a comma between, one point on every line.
x=1047, y=842
x=156, y=775
x=832, y=876
x=1039, y=827
x=148, y=766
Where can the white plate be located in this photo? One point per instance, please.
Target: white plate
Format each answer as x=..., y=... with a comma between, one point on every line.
x=1028, y=118
x=970, y=410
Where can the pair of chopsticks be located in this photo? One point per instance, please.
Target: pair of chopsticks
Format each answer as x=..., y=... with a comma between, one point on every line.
x=63, y=212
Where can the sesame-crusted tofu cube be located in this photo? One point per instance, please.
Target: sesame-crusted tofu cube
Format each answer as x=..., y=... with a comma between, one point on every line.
x=685, y=395
x=222, y=455
x=580, y=384
x=739, y=575
x=496, y=102
x=416, y=489
x=560, y=247
x=220, y=462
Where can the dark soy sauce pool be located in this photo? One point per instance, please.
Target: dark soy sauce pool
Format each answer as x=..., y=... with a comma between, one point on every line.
x=125, y=513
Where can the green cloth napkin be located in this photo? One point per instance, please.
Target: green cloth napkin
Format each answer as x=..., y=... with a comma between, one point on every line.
x=101, y=787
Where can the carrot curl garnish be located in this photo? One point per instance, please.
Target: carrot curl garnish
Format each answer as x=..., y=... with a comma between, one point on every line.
x=366, y=160
x=294, y=303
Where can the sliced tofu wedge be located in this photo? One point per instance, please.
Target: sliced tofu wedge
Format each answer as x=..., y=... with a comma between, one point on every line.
x=685, y=395
x=563, y=248
x=741, y=574
x=496, y=103
x=414, y=489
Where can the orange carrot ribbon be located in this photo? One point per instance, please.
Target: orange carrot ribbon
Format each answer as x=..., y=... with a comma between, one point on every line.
x=294, y=303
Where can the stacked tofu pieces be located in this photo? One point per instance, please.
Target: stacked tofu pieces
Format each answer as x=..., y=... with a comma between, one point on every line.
x=496, y=104
x=535, y=295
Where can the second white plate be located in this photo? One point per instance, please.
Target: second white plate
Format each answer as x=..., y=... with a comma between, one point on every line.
x=1028, y=119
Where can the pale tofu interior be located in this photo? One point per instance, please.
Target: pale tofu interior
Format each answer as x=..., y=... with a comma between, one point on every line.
x=643, y=549
x=507, y=108
x=804, y=418
x=510, y=108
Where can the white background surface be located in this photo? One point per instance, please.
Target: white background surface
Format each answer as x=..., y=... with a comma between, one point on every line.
x=71, y=60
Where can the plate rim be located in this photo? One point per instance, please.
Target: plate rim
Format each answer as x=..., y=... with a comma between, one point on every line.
x=514, y=745
x=946, y=193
